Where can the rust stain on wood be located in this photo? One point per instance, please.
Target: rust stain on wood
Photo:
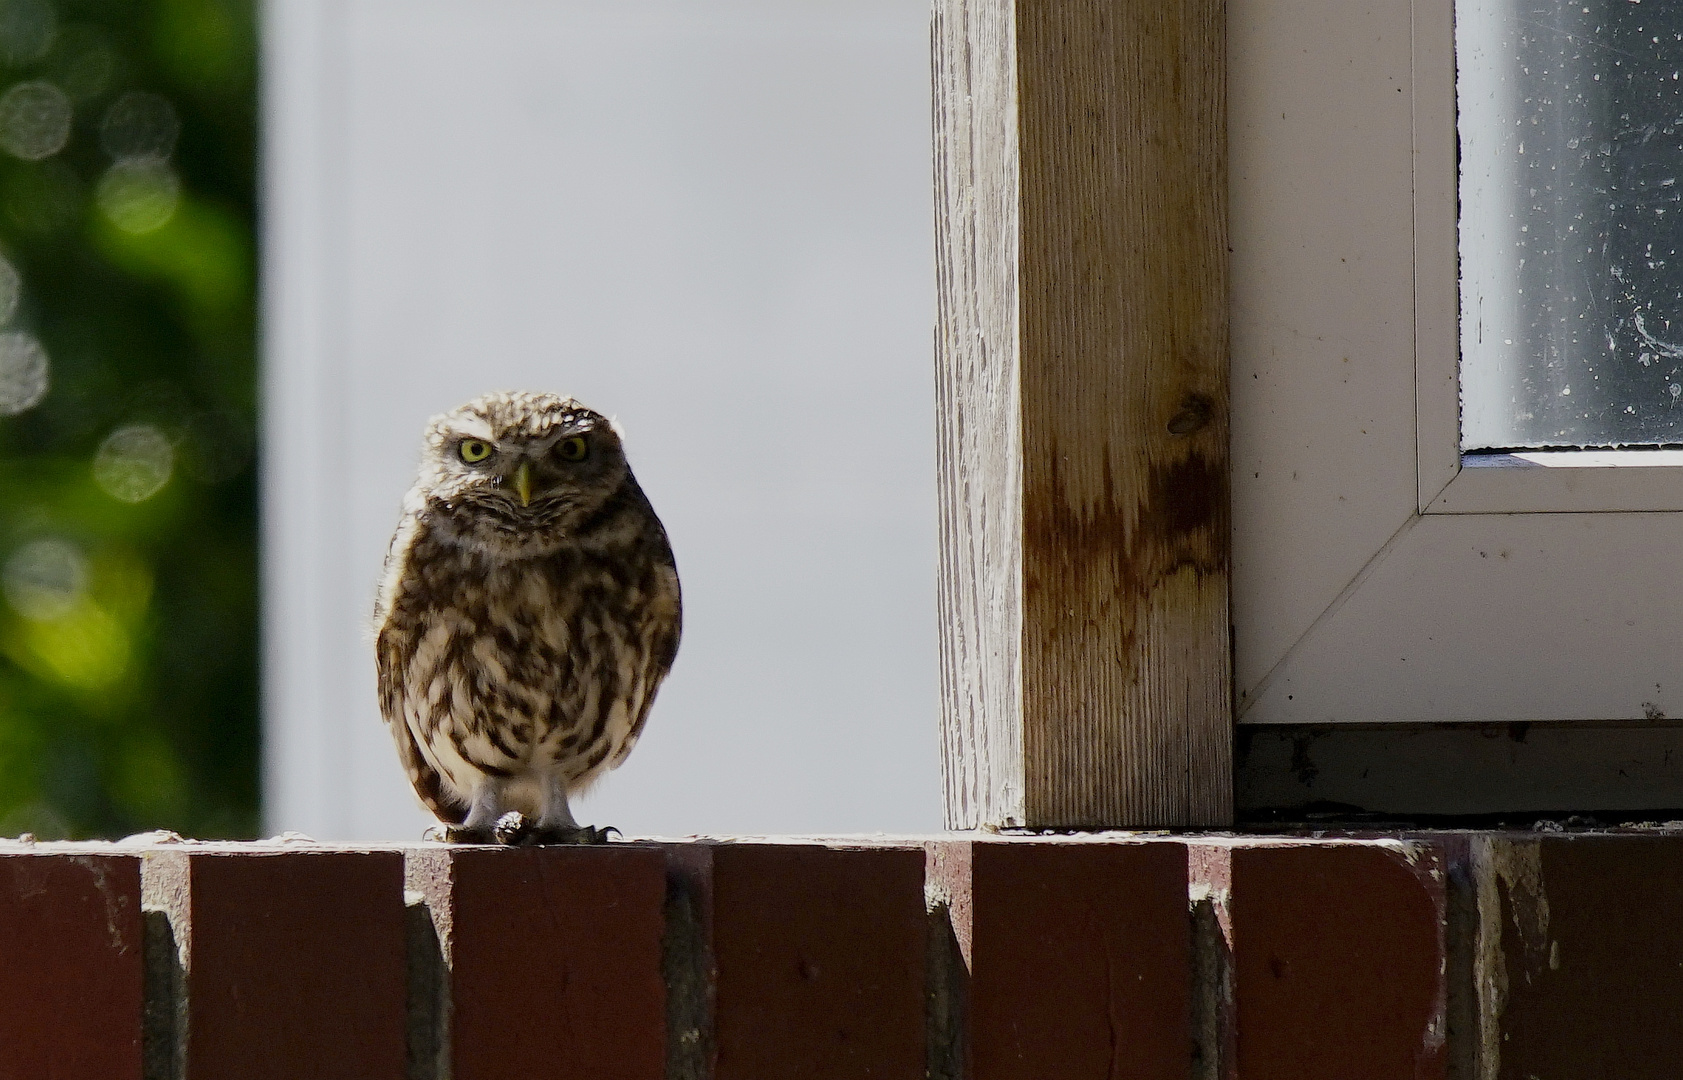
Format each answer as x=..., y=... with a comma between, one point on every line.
x=1180, y=524
x=1124, y=411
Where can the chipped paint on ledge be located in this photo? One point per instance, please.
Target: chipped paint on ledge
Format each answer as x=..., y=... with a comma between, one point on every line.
x=1510, y=869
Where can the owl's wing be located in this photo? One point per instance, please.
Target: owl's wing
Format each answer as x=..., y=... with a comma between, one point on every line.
x=428, y=785
x=663, y=650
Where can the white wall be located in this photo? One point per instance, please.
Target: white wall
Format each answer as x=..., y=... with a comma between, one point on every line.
x=711, y=220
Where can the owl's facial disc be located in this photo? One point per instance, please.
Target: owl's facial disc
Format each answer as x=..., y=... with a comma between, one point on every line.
x=537, y=474
x=518, y=475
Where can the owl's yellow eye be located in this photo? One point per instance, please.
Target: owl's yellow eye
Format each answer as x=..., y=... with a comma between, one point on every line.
x=573, y=449
x=473, y=451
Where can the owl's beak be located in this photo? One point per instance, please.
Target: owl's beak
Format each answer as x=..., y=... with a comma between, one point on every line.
x=523, y=482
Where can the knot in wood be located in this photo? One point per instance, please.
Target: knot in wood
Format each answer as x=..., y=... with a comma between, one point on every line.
x=1194, y=415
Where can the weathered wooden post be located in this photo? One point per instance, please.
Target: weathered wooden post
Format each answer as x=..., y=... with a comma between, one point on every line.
x=1082, y=370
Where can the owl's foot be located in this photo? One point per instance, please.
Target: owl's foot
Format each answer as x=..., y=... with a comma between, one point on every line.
x=515, y=829
x=577, y=834
x=461, y=834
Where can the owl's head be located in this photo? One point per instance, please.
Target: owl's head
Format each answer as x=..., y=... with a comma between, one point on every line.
x=518, y=474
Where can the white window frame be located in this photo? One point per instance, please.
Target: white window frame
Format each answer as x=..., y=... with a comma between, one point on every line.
x=1379, y=577
x=1618, y=482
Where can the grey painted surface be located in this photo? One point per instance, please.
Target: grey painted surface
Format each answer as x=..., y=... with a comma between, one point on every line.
x=712, y=221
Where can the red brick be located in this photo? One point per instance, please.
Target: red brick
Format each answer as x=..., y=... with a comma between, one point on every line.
x=71, y=967
x=819, y=959
x=295, y=959
x=1338, y=958
x=1079, y=954
x=554, y=956
x=1590, y=953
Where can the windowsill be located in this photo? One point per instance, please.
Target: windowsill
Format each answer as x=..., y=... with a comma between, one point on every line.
x=1564, y=481
x=1574, y=459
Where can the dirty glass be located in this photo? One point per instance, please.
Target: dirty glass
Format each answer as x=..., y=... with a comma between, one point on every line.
x=1570, y=117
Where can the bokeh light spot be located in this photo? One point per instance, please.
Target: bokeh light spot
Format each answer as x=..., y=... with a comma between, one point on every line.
x=27, y=28
x=85, y=648
x=23, y=372
x=11, y=290
x=45, y=579
x=134, y=463
x=34, y=120
x=82, y=63
x=140, y=127
x=139, y=196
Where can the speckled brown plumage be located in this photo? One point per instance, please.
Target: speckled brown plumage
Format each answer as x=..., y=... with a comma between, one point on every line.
x=527, y=615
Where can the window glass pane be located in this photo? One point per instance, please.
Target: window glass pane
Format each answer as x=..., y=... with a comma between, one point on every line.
x=1571, y=126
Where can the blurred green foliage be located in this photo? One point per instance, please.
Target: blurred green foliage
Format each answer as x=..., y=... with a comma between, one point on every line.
x=128, y=504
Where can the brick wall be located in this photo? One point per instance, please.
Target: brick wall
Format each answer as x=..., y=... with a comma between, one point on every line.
x=1448, y=955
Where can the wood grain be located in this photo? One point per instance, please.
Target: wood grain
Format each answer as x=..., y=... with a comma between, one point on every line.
x=1082, y=372
x=977, y=412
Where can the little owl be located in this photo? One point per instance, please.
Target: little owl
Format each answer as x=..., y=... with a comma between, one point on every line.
x=528, y=611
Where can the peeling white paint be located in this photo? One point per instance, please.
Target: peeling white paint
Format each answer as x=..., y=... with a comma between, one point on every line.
x=114, y=903
x=1514, y=867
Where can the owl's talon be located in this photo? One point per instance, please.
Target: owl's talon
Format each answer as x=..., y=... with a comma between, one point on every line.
x=460, y=834
x=513, y=829
x=582, y=834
